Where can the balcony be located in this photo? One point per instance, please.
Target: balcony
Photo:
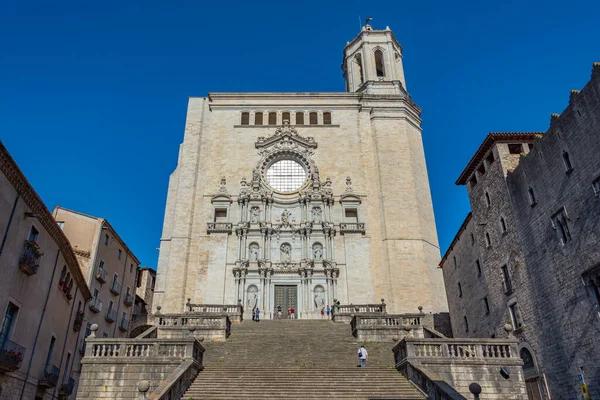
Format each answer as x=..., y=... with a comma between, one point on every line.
x=30, y=260
x=124, y=325
x=101, y=275
x=111, y=315
x=66, y=389
x=352, y=227
x=115, y=288
x=11, y=356
x=49, y=376
x=96, y=305
x=128, y=300
x=219, y=227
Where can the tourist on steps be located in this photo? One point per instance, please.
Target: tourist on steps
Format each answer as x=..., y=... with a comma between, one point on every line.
x=279, y=311
x=363, y=355
x=293, y=312
x=257, y=317
x=253, y=313
x=323, y=313
x=328, y=311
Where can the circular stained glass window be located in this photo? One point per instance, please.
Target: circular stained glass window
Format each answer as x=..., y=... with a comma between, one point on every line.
x=286, y=176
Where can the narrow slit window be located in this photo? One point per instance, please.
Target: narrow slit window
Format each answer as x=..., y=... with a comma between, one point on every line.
x=379, y=63
x=488, y=201
x=478, y=267
x=488, y=241
x=460, y=292
x=532, y=200
x=466, y=323
x=359, y=69
x=502, y=225
x=486, y=306
x=567, y=161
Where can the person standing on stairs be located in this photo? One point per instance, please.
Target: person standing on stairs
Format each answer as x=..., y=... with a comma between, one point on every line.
x=363, y=356
x=279, y=311
x=328, y=311
x=323, y=313
x=257, y=317
x=293, y=312
x=254, y=314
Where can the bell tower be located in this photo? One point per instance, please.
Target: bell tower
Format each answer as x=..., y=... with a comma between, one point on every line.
x=373, y=63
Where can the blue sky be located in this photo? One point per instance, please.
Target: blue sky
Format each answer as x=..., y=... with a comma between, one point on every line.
x=93, y=94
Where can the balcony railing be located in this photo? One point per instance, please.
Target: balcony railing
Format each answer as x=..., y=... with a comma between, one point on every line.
x=111, y=315
x=115, y=288
x=124, y=325
x=49, y=376
x=219, y=227
x=30, y=260
x=11, y=355
x=96, y=305
x=66, y=389
x=354, y=227
x=101, y=275
x=128, y=300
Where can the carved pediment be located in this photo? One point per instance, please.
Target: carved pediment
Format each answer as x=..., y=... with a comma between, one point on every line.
x=286, y=137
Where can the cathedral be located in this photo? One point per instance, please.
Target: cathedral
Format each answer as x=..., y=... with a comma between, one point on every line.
x=297, y=199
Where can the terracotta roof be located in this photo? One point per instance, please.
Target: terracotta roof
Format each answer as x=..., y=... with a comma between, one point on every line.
x=34, y=202
x=460, y=231
x=482, y=151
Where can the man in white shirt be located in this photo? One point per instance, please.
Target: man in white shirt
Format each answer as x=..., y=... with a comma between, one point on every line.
x=363, y=355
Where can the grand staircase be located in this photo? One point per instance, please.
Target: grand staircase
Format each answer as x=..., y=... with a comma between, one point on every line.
x=297, y=359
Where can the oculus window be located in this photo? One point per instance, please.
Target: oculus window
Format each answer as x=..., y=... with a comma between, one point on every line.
x=286, y=176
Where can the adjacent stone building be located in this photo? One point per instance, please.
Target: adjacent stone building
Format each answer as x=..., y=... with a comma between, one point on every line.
x=527, y=254
x=109, y=268
x=42, y=295
x=144, y=293
x=294, y=199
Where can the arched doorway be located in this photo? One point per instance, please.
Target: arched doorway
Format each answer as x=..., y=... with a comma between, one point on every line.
x=534, y=381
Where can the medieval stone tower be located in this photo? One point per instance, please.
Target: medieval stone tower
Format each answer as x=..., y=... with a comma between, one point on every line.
x=295, y=199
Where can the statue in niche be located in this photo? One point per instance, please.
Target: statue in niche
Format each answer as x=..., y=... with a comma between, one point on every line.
x=286, y=252
x=253, y=250
x=349, y=185
x=315, y=175
x=316, y=215
x=252, y=299
x=319, y=297
x=254, y=214
x=285, y=217
x=255, y=175
x=317, y=252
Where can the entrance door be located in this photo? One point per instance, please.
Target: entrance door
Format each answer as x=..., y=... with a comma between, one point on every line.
x=286, y=297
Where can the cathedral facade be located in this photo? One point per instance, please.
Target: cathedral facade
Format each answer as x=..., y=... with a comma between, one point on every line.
x=297, y=199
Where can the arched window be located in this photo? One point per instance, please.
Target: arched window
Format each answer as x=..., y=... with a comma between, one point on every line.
x=258, y=118
x=272, y=118
x=300, y=118
x=326, y=118
x=62, y=275
x=245, y=118
x=359, y=69
x=286, y=117
x=313, y=118
x=379, y=64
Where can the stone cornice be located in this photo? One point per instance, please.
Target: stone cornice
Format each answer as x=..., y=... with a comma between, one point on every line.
x=14, y=175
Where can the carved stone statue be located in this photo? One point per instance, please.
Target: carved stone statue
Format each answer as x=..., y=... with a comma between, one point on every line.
x=349, y=185
x=255, y=175
x=254, y=214
x=252, y=297
x=286, y=252
x=285, y=217
x=317, y=251
x=223, y=185
x=319, y=297
x=253, y=250
x=315, y=175
x=316, y=215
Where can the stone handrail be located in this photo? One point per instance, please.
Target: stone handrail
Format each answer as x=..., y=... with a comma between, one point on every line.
x=108, y=349
x=234, y=311
x=433, y=387
x=177, y=322
x=361, y=308
x=219, y=227
x=178, y=382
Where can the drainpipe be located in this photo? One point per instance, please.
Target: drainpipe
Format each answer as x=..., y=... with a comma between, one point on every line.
x=62, y=356
x=12, y=213
x=121, y=294
x=37, y=334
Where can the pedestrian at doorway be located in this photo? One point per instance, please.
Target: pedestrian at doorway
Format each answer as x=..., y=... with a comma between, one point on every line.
x=323, y=313
x=257, y=318
x=363, y=356
x=279, y=311
x=328, y=311
x=274, y=313
x=253, y=313
x=289, y=313
x=293, y=312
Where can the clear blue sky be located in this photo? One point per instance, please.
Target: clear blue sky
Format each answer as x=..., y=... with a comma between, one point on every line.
x=93, y=94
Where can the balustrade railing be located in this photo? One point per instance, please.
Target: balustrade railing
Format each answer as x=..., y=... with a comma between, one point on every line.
x=352, y=227
x=96, y=305
x=115, y=288
x=234, y=311
x=144, y=348
x=11, y=355
x=128, y=299
x=456, y=349
x=111, y=315
x=219, y=227
x=361, y=308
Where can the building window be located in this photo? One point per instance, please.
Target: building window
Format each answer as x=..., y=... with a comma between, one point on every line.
x=300, y=118
x=106, y=238
x=286, y=117
x=139, y=279
x=359, y=69
x=119, y=254
x=34, y=234
x=472, y=239
x=101, y=266
x=115, y=279
x=326, y=118
x=50, y=350
x=455, y=264
x=460, y=293
x=66, y=370
x=515, y=148
x=478, y=267
x=490, y=158
x=561, y=225
x=351, y=215
x=532, y=200
x=245, y=118
x=130, y=268
x=379, y=63
x=481, y=169
x=111, y=304
x=486, y=306
x=488, y=241
x=220, y=215
x=96, y=293
x=153, y=282
x=313, y=118
x=473, y=180
x=9, y=322
x=466, y=323
x=506, y=281
x=502, y=225
x=515, y=316
x=258, y=118
x=272, y=118
x=567, y=162
x=61, y=224
x=487, y=199
x=596, y=186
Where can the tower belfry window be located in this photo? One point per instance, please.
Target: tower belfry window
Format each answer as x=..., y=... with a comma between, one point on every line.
x=299, y=118
x=272, y=118
x=359, y=69
x=258, y=118
x=379, y=63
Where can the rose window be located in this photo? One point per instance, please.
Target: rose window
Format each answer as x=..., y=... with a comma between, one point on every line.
x=286, y=176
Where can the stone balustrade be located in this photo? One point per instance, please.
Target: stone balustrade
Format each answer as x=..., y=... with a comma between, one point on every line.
x=381, y=328
x=344, y=312
x=219, y=227
x=214, y=328
x=492, y=363
x=235, y=312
